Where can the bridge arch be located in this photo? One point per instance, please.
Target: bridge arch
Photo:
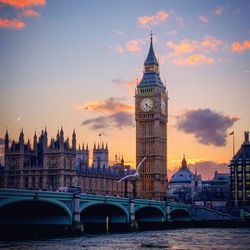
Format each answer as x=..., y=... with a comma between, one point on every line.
x=180, y=214
x=35, y=211
x=97, y=212
x=150, y=214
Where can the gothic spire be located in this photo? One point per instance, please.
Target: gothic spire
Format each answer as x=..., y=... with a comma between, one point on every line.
x=184, y=163
x=151, y=58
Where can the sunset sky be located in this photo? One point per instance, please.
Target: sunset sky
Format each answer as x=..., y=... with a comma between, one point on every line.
x=76, y=64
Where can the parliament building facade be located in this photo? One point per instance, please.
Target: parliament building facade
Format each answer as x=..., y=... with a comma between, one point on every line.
x=52, y=166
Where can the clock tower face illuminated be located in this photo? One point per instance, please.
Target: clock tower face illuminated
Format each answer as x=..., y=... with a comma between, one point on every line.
x=146, y=104
x=151, y=112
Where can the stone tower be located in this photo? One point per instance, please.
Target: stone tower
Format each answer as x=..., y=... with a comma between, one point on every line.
x=151, y=113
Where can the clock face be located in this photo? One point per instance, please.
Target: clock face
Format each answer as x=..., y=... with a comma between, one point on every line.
x=146, y=104
x=163, y=106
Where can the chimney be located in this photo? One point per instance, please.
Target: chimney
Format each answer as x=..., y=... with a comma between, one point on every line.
x=246, y=136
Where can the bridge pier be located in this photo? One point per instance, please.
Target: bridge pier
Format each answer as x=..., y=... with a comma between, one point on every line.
x=168, y=216
x=77, y=226
x=132, y=222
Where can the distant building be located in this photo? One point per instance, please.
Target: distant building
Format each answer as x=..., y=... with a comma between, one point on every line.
x=59, y=164
x=215, y=193
x=188, y=187
x=1, y=175
x=184, y=185
x=240, y=174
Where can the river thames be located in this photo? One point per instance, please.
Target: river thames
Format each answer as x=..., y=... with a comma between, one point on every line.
x=191, y=238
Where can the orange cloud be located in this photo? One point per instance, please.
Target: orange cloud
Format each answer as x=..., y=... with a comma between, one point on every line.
x=23, y=3
x=133, y=46
x=240, y=47
x=110, y=106
x=212, y=43
x=30, y=12
x=204, y=19
x=128, y=85
x=195, y=59
x=183, y=47
x=209, y=43
x=156, y=19
x=11, y=24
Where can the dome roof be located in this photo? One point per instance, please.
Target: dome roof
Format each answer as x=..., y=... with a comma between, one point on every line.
x=182, y=176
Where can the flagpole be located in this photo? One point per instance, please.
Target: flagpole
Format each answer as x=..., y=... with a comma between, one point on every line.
x=233, y=146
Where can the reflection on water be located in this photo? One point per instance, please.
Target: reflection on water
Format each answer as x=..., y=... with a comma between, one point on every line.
x=199, y=238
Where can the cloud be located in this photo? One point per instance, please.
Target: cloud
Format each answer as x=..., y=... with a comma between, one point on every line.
x=207, y=126
x=185, y=46
x=197, y=48
x=128, y=85
x=116, y=120
x=240, y=47
x=11, y=24
x=123, y=83
x=23, y=3
x=195, y=59
x=207, y=168
x=133, y=46
x=30, y=13
x=110, y=105
x=156, y=19
x=218, y=11
x=209, y=43
x=204, y=19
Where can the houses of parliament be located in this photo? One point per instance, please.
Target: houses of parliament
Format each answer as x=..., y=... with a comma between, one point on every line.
x=49, y=166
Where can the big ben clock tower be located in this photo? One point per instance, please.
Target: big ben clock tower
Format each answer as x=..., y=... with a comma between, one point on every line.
x=151, y=114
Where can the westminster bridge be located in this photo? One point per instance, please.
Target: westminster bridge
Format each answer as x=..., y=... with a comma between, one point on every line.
x=58, y=208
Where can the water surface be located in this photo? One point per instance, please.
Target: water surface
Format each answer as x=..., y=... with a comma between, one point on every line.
x=198, y=238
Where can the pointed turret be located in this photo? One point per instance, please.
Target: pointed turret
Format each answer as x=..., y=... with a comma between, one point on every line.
x=122, y=161
x=87, y=148
x=184, y=163
x=151, y=58
x=106, y=147
x=61, y=139
x=94, y=146
x=61, y=132
x=35, y=142
x=74, y=140
x=6, y=140
x=83, y=148
x=151, y=76
x=21, y=140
